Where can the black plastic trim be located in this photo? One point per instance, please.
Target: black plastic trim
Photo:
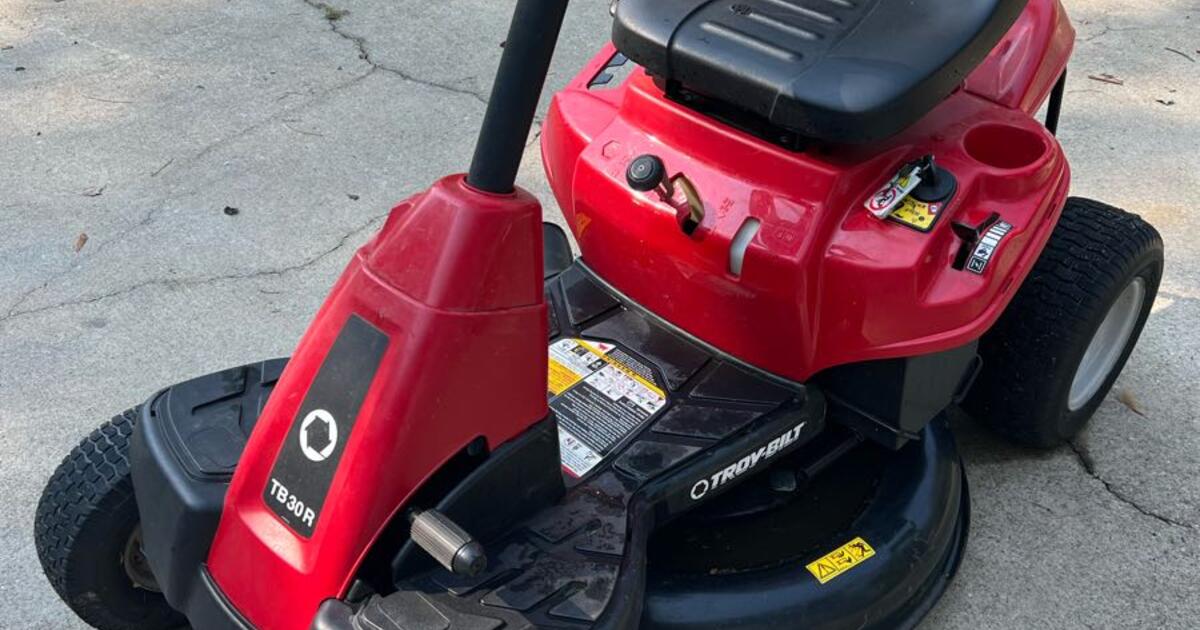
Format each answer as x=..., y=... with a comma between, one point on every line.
x=520, y=478
x=918, y=525
x=212, y=610
x=556, y=251
x=891, y=401
x=711, y=349
x=1054, y=108
x=851, y=72
x=185, y=446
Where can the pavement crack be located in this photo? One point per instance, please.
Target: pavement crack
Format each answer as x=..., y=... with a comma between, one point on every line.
x=1105, y=30
x=364, y=53
x=431, y=84
x=147, y=218
x=1089, y=466
x=13, y=313
x=15, y=310
x=24, y=297
x=317, y=98
x=537, y=135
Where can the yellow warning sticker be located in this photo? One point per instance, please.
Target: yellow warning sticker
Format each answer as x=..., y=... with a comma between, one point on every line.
x=562, y=377
x=916, y=214
x=601, y=350
x=572, y=360
x=841, y=560
x=600, y=395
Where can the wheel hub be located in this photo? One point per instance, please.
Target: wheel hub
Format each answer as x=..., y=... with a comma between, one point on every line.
x=1107, y=345
x=136, y=566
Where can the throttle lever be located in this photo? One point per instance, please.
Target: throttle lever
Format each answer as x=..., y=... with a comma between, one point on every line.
x=647, y=173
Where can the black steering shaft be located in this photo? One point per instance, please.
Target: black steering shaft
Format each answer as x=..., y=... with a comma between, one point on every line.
x=532, y=37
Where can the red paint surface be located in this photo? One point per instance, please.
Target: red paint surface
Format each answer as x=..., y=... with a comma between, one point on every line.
x=1024, y=66
x=455, y=281
x=824, y=283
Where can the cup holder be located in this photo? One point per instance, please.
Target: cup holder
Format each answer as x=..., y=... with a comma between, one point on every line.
x=1005, y=147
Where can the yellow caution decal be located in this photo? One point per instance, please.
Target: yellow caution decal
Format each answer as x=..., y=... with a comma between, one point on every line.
x=572, y=360
x=841, y=560
x=917, y=214
x=562, y=377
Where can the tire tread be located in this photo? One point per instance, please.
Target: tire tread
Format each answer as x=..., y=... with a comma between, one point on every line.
x=90, y=474
x=90, y=490
x=1091, y=249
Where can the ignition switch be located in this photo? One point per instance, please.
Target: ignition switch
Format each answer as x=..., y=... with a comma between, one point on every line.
x=937, y=185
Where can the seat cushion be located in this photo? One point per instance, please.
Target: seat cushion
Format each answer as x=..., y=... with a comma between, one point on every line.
x=832, y=70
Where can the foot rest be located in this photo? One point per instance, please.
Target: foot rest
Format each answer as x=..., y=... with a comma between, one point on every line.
x=651, y=425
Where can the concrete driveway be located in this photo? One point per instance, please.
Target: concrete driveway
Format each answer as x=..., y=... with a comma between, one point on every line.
x=138, y=124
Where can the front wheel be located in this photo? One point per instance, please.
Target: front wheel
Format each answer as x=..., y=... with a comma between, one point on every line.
x=89, y=541
x=1054, y=354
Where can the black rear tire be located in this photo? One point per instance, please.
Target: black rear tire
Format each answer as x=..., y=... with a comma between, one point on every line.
x=85, y=534
x=1032, y=354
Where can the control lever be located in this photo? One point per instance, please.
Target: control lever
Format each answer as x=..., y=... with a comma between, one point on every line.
x=647, y=173
x=970, y=235
x=449, y=544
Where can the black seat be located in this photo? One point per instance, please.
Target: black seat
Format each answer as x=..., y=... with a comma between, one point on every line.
x=833, y=70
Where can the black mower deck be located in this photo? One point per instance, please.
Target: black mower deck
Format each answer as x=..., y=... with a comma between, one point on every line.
x=652, y=426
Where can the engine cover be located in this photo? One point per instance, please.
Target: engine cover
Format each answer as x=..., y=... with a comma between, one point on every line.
x=789, y=270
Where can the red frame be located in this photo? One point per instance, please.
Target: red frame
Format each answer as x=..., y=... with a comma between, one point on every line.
x=454, y=280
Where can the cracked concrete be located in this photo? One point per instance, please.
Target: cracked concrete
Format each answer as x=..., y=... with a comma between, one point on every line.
x=174, y=283
x=361, y=44
x=137, y=124
x=1089, y=465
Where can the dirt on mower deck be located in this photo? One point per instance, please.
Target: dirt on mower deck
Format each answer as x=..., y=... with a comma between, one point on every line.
x=180, y=182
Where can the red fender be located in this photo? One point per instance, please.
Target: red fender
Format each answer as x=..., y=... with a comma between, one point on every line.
x=454, y=281
x=1023, y=68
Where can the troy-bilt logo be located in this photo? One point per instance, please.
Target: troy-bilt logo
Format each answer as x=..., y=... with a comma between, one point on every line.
x=745, y=464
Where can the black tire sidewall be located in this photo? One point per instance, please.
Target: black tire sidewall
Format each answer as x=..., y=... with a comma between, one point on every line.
x=1033, y=352
x=84, y=522
x=1068, y=423
x=97, y=578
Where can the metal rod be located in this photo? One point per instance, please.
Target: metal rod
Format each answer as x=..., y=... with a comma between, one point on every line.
x=1054, y=109
x=532, y=37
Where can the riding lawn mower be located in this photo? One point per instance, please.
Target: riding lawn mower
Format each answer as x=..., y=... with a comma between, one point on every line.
x=808, y=229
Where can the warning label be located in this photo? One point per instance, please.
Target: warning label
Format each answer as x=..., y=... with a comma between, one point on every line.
x=601, y=395
x=841, y=560
x=884, y=202
x=577, y=458
x=573, y=360
x=916, y=214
